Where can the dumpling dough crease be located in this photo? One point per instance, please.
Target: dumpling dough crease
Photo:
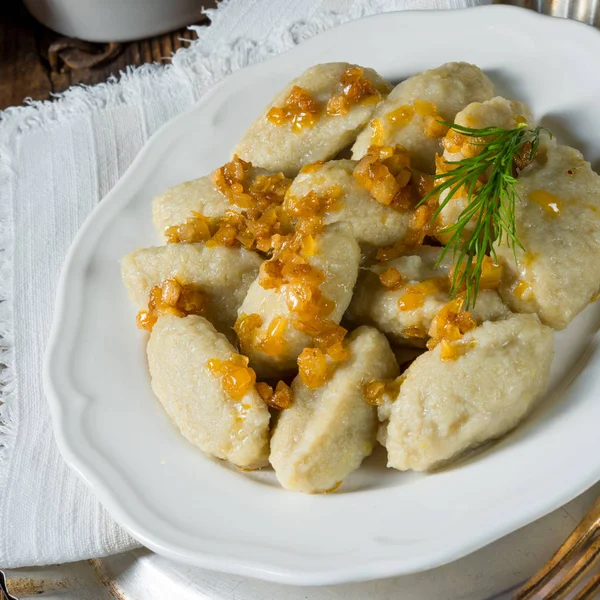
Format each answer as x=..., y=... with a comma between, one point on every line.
x=278, y=148
x=445, y=407
x=193, y=398
x=223, y=274
x=397, y=120
x=337, y=255
x=371, y=222
x=328, y=431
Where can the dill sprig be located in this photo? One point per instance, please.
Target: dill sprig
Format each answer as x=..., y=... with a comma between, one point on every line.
x=490, y=206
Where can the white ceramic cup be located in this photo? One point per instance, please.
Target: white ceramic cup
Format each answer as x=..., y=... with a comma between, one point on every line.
x=116, y=20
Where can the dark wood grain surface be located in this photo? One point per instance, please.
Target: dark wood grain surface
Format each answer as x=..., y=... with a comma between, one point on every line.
x=27, y=72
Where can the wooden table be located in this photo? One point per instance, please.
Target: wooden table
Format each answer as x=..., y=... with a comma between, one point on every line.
x=34, y=60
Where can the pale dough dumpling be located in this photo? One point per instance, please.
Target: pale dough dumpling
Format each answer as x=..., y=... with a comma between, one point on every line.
x=447, y=406
x=371, y=222
x=194, y=399
x=426, y=290
x=406, y=116
x=497, y=112
x=223, y=274
x=328, y=431
x=177, y=204
x=337, y=255
x=277, y=147
x=558, y=224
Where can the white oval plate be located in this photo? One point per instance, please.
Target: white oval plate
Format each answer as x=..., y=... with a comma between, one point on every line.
x=381, y=522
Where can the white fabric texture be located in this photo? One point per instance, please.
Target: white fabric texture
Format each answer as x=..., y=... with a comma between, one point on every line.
x=57, y=160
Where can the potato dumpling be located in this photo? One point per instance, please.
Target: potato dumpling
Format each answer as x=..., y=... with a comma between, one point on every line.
x=409, y=115
x=234, y=430
x=371, y=222
x=177, y=204
x=558, y=224
x=328, y=431
x=447, y=406
x=337, y=256
x=497, y=112
x=313, y=117
x=416, y=291
x=222, y=274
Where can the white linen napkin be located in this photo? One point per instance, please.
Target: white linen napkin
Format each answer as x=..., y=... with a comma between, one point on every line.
x=57, y=160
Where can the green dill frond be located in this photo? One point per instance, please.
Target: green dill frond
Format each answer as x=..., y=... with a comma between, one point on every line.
x=490, y=205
